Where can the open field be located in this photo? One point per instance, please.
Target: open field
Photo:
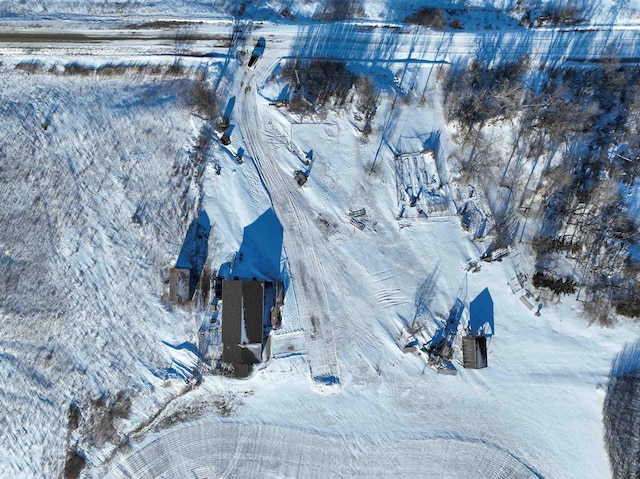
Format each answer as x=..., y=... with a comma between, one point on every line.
x=109, y=155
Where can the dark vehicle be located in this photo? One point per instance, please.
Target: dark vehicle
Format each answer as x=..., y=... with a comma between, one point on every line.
x=257, y=52
x=300, y=177
x=239, y=156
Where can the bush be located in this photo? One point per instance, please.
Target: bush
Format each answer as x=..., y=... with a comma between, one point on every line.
x=335, y=10
x=202, y=101
x=549, y=245
x=429, y=17
x=367, y=96
x=626, y=296
x=480, y=93
x=629, y=307
x=456, y=24
x=321, y=82
x=565, y=15
x=558, y=286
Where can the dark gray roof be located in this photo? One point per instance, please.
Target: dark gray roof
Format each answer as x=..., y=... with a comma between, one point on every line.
x=474, y=352
x=242, y=319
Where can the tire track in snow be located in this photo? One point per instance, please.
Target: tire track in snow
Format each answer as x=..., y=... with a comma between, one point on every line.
x=307, y=275
x=236, y=456
x=389, y=298
x=258, y=449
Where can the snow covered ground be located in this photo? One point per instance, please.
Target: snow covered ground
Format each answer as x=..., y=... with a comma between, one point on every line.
x=100, y=183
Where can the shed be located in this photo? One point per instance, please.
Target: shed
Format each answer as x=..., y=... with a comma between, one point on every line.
x=474, y=352
x=179, y=285
x=300, y=177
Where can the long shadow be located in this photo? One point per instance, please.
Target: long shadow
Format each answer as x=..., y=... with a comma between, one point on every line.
x=229, y=109
x=346, y=41
x=425, y=294
x=481, y=315
x=195, y=249
x=447, y=332
x=433, y=141
x=258, y=51
x=260, y=252
x=185, y=346
x=621, y=413
x=494, y=48
x=227, y=70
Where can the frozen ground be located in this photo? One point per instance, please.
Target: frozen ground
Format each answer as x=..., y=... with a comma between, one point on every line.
x=227, y=449
x=473, y=12
x=99, y=186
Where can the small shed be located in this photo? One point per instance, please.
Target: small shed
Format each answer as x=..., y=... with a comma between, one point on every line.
x=474, y=352
x=300, y=177
x=179, y=285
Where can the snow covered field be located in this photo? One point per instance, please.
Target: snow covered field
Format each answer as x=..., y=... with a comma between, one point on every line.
x=100, y=178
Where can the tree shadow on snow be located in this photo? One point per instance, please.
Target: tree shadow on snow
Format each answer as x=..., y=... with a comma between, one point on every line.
x=447, y=331
x=229, y=109
x=621, y=413
x=627, y=361
x=195, y=249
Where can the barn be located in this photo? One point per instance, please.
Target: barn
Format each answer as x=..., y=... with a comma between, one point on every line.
x=246, y=323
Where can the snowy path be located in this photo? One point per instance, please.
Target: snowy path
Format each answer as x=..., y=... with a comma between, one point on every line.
x=307, y=274
x=355, y=41
x=233, y=449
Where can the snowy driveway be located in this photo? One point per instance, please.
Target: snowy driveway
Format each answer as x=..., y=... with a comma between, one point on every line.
x=229, y=449
x=356, y=41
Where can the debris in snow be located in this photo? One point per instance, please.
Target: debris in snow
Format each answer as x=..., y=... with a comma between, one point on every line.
x=358, y=223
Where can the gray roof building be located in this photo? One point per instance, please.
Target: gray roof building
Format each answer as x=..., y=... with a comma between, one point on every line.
x=243, y=324
x=474, y=352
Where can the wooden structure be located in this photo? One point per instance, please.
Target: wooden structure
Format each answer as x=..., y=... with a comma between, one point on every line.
x=275, y=314
x=179, y=285
x=474, y=352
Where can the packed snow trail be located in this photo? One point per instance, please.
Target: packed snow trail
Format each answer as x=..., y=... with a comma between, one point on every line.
x=350, y=40
x=233, y=449
x=307, y=275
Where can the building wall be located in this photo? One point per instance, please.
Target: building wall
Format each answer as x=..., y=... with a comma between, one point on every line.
x=474, y=352
x=179, y=285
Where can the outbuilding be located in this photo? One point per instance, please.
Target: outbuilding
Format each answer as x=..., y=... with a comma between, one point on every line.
x=474, y=352
x=245, y=324
x=180, y=285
